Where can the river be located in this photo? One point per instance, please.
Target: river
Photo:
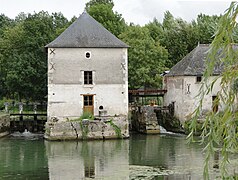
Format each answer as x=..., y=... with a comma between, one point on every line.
x=168, y=156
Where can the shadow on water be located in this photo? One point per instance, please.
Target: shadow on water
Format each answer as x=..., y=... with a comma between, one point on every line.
x=23, y=158
x=28, y=156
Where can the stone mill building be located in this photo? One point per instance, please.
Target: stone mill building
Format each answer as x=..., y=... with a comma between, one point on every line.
x=183, y=83
x=87, y=72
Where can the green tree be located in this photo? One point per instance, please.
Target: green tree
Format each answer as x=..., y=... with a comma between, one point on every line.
x=23, y=57
x=4, y=23
x=102, y=11
x=155, y=29
x=221, y=129
x=205, y=27
x=95, y=2
x=179, y=37
x=146, y=58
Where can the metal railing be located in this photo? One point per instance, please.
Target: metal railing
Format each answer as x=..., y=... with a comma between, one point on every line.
x=25, y=107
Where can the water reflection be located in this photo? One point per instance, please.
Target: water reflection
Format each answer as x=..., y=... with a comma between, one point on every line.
x=93, y=159
x=140, y=157
x=166, y=157
x=22, y=158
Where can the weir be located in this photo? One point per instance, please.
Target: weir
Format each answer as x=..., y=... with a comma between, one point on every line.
x=30, y=122
x=30, y=116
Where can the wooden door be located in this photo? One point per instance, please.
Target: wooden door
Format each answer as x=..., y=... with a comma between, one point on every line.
x=88, y=104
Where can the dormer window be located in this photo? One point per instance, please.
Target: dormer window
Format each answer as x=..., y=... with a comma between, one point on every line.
x=88, y=55
x=198, y=79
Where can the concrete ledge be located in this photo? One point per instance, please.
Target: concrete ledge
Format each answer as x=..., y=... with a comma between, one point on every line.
x=4, y=125
x=4, y=134
x=152, y=131
x=105, y=128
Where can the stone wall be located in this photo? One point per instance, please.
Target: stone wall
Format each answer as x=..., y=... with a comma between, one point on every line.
x=4, y=125
x=103, y=128
x=66, y=88
x=144, y=120
x=183, y=91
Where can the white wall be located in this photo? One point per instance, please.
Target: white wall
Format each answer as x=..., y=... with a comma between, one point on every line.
x=186, y=102
x=65, y=80
x=67, y=100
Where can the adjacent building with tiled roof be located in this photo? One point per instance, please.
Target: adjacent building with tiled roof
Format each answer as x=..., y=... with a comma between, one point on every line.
x=184, y=80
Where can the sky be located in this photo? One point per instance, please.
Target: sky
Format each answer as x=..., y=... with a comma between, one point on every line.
x=136, y=11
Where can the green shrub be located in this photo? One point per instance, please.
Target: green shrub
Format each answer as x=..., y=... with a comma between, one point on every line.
x=116, y=128
x=87, y=115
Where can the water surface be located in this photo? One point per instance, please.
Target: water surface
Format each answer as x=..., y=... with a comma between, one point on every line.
x=140, y=157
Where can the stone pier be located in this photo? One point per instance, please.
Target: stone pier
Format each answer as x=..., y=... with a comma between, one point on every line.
x=4, y=124
x=144, y=120
x=100, y=128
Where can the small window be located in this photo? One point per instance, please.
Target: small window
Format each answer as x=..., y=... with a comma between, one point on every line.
x=199, y=79
x=88, y=55
x=88, y=100
x=88, y=77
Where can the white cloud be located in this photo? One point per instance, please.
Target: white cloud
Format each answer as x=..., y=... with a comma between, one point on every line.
x=136, y=11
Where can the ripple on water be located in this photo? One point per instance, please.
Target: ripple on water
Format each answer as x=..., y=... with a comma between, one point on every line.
x=148, y=172
x=27, y=135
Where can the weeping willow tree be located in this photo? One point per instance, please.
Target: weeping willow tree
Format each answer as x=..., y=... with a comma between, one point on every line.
x=220, y=129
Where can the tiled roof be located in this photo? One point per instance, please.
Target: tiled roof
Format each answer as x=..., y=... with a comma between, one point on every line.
x=193, y=64
x=86, y=32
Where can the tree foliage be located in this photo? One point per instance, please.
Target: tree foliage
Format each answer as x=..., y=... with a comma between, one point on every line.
x=205, y=27
x=146, y=58
x=179, y=38
x=102, y=11
x=23, y=57
x=221, y=129
x=4, y=22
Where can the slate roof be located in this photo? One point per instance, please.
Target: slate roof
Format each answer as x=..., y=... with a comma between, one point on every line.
x=86, y=32
x=193, y=64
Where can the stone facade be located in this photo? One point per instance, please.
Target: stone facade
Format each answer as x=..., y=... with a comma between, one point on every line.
x=183, y=92
x=144, y=120
x=103, y=128
x=184, y=80
x=66, y=86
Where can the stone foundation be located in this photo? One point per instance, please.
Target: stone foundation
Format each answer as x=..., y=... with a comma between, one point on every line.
x=103, y=128
x=4, y=125
x=144, y=120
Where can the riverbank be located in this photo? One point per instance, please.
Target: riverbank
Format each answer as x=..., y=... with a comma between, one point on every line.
x=4, y=124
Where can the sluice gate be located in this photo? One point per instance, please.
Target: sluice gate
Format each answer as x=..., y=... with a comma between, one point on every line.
x=34, y=123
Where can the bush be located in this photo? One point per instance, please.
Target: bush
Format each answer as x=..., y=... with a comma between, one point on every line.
x=87, y=115
x=2, y=102
x=1, y=105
